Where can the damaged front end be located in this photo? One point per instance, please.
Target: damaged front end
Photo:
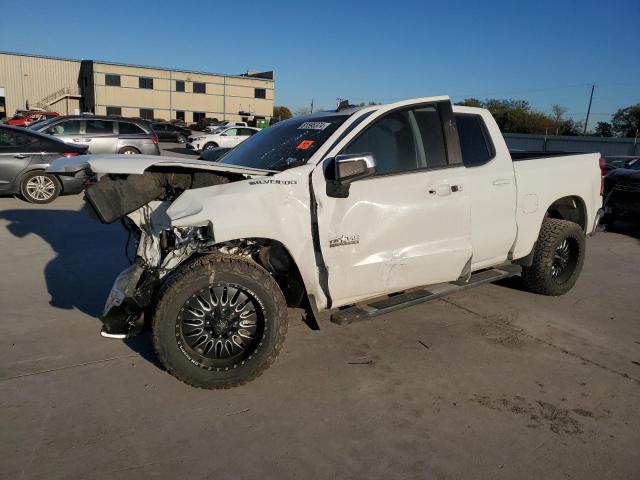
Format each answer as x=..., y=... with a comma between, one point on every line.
x=141, y=202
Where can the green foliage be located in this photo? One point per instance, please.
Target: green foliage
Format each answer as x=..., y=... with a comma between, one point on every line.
x=281, y=113
x=626, y=121
x=517, y=116
x=603, y=129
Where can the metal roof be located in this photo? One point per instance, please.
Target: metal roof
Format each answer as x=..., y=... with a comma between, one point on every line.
x=135, y=66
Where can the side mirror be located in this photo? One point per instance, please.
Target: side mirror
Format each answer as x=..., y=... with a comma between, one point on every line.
x=345, y=169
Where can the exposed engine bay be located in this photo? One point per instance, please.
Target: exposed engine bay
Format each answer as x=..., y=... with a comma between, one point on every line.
x=141, y=201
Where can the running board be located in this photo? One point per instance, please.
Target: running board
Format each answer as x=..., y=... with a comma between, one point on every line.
x=415, y=297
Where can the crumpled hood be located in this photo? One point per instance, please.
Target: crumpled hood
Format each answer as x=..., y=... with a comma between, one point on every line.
x=137, y=164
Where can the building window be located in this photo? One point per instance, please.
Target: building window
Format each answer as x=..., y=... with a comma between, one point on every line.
x=114, y=111
x=112, y=80
x=146, y=113
x=179, y=85
x=145, y=82
x=199, y=87
x=260, y=93
x=179, y=115
x=197, y=116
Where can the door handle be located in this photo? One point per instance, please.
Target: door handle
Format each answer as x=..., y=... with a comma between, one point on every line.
x=498, y=182
x=442, y=190
x=19, y=155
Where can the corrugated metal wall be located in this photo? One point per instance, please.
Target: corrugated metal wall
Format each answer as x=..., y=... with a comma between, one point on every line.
x=26, y=78
x=603, y=145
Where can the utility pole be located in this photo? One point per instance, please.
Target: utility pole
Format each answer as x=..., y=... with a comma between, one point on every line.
x=311, y=110
x=593, y=87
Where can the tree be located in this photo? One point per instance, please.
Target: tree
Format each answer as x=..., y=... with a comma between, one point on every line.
x=626, y=121
x=302, y=111
x=471, y=102
x=604, y=129
x=557, y=112
x=282, y=113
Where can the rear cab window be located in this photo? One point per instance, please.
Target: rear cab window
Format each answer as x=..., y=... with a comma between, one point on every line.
x=475, y=143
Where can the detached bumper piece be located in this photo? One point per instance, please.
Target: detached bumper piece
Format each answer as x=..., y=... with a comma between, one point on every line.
x=396, y=302
x=131, y=293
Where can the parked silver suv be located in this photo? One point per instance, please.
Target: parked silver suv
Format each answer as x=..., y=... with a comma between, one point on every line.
x=102, y=134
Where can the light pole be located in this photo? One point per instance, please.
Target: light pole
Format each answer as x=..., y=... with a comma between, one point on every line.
x=593, y=87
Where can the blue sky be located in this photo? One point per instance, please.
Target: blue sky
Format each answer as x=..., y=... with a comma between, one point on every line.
x=544, y=51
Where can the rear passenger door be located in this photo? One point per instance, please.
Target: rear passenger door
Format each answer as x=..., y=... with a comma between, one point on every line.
x=100, y=136
x=491, y=186
x=409, y=225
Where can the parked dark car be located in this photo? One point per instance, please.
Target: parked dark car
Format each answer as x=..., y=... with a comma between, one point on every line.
x=213, y=154
x=24, y=156
x=622, y=192
x=618, y=161
x=168, y=132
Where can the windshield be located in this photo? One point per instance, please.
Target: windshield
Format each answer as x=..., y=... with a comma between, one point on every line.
x=286, y=144
x=634, y=165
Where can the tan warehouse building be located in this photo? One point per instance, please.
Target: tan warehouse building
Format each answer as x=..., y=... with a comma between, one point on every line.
x=104, y=88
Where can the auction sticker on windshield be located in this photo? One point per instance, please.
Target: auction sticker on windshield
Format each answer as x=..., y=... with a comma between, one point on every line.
x=313, y=126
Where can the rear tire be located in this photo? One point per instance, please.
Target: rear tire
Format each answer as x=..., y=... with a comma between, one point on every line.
x=39, y=187
x=219, y=322
x=558, y=257
x=129, y=151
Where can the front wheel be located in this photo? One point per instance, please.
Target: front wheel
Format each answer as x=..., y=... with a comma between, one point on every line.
x=209, y=146
x=219, y=322
x=557, y=258
x=181, y=139
x=39, y=187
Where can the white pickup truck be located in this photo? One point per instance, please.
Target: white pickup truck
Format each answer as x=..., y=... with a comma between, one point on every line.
x=404, y=202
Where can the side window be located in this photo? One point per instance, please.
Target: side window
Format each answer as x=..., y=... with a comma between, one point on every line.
x=232, y=132
x=246, y=132
x=391, y=140
x=69, y=127
x=14, y=139
x=98, y=127
x=431, y=135
x=127, y=128
x=476, y=148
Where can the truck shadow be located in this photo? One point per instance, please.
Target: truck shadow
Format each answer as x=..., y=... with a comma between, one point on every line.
x=88, y=257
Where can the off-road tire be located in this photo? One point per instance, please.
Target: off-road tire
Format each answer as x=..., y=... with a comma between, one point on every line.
x=209, y=146
x=538, y=277
x=202, y=273
x=52, y=192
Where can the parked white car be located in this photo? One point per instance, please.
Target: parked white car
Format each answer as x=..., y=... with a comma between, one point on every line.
x=227, y=137
x=408, y=201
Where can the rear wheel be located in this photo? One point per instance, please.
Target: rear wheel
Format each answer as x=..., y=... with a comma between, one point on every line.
x=129, y=151
x=557, y=259
x=219, y=322
x=39, y=187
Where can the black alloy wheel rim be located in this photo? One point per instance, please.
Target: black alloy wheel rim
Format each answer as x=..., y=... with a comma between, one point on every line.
x=565, y=258
x=220, y=325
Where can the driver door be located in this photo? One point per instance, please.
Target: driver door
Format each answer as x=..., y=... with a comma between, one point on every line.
x=229, y=138
x=409, y=224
